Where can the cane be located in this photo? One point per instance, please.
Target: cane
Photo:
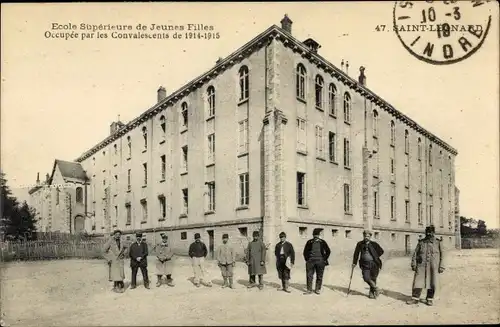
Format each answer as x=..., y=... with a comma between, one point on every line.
x=350, y=280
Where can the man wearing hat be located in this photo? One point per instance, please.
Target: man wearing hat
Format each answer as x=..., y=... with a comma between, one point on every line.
x=198, y=252
x=139, y=260
x=285, y=259
x=114, y=253
x=256, y=260
x=164, y=254
x=226, y=259
x=316, y=254
x=368, y=253
x=427, y=262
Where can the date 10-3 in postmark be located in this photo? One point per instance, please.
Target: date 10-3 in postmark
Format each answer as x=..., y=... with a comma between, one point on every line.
x=442, y=32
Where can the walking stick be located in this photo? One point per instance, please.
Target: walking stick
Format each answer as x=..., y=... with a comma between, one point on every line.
x=350, y=280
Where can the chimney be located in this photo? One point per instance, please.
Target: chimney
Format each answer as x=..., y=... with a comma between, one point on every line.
x=162, y=93
x=37, y=178
x=47, y=177
x=312, y=45
x=347, y=67
x=362, y=77
x=286, y=24
x=218, y=60
x=115, y=127
x=342, y=65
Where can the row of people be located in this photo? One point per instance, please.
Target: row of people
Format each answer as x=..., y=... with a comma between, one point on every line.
x=427, y=262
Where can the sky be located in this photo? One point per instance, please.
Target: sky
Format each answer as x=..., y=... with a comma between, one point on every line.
x=59, y=96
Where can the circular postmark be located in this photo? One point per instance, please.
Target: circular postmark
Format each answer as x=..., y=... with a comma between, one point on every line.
x=442, y=32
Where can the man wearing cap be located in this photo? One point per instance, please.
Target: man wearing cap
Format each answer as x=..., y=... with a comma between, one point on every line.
x=198, y=252
x=139, y=260
x=367, y=253
x=256, y=260
x=316, y=254
x=226, y=259
x=164, y=254
x=114, y=253
x=285, y=259
x=427, y=262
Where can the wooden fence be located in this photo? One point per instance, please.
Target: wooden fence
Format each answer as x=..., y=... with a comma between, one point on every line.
x=46, y=250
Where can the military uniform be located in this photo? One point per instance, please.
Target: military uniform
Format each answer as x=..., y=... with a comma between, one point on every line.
x=164, y=263
x=427, y=262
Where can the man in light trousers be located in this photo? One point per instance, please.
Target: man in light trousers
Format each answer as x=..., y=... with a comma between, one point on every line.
x=198, y=252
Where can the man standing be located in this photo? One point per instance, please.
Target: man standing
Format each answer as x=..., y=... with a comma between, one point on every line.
x=164, y=254
x=139, y=259
x=198, y=252
x=369, y=262
x=427, y=262
x=285, y=259
x=114, y=253
x=256, y=260
x=226, y=259
x=316, y=254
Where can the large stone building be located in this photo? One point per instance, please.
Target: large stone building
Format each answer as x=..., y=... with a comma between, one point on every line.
x=273, y=138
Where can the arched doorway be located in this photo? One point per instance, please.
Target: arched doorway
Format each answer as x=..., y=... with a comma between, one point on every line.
x=79, y=224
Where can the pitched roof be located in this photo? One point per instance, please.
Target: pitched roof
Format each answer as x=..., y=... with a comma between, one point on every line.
x=69, y=170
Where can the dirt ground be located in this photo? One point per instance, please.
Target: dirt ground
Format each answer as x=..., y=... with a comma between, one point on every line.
x=76, y=292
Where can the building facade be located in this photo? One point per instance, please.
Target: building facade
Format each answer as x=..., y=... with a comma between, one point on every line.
x=273, y=138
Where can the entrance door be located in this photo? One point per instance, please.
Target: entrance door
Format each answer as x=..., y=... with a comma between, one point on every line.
x=407, y=245
x=79, y=224
x=211, y=244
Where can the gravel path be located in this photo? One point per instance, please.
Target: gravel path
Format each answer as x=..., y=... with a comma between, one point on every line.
x=76, y=292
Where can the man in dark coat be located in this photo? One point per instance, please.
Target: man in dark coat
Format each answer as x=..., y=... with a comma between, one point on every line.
x=427, y=262
x=285, y=259
x=139, y=259
x=368, y=253
x=316, y=254
x=256, y=260
x=114, y=252
x=198, y=252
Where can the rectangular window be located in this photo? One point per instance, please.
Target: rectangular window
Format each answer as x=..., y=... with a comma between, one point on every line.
x=393, y=236
x=375, y=205
x=116, y=215
x=144, y=205
x=128, y=209
x=347, y=198
x=184, y=236
x=407, y=210
x=431, y=216
x=185, y=200
x=211, y=148
x=419, y=213
x=211, y=196
x=243, y=231
x=185, y=158
x=243, y=137
x=376, y=235
x=319, y=142
x=393, y=208
x=347, y=151
x=332, y=147
x=145, y=167
x=303, y=231
x=163, y=167
x=335, y=232
x=301, y=189
x=244, y=189
x=301, y=135
x=163, y=206
x=347, y=234
x=129, y=180
x=392, y=166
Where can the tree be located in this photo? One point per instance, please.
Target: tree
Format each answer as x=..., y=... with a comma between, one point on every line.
x=481, y=228
x=467, y=226
x=17, y=220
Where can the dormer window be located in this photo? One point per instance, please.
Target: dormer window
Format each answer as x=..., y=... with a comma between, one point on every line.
x=312, y=45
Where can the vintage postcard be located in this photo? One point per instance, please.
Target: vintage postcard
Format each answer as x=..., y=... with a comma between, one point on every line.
x=210, y=163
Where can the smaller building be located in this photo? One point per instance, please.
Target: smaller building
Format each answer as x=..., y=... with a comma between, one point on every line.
x=59, y=201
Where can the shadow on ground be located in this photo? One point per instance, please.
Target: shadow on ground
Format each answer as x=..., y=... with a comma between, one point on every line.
x=395, y=295
x=344, y=290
